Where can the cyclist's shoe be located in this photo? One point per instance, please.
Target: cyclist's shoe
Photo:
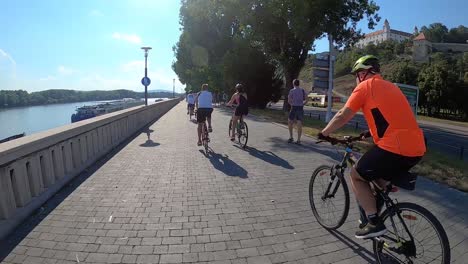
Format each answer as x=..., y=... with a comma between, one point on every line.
x=361, y=224
x=210, y=129
x=370, y=231
x=291, y=140
x=199, y=143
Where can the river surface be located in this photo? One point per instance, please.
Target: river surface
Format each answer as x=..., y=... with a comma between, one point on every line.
x=33, y=119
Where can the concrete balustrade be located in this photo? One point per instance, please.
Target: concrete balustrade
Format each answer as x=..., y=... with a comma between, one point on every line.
x=35, y=167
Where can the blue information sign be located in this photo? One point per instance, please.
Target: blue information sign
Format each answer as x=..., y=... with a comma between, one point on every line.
x=146, y=81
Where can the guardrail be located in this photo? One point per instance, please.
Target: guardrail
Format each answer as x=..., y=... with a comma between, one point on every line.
x=35, y=167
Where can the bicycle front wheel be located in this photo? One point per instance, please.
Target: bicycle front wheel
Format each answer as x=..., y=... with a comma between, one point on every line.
x=329, y=197
x=416, y=237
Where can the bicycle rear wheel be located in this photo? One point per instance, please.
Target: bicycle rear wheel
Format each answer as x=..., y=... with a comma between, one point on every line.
x=230, y=129
x=429, y=244
x=205, y=138
x=243, y=132
x=329, y=197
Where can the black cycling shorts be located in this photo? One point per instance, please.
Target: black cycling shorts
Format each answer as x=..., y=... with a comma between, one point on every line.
x=241, y=111
x=379, y=163
x=203, y=113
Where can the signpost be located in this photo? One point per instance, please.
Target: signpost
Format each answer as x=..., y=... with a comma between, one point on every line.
x=323, y=76
x=412, y=95
x=146, y=81
x=320, y=73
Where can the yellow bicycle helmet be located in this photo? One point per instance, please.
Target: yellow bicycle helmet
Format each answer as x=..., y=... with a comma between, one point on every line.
x=368, y=62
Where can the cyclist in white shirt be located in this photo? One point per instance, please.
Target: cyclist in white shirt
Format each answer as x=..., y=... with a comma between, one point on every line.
x=204, y=104
x=190, y=99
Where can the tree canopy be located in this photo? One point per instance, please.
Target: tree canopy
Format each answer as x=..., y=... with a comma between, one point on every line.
x=260, y=43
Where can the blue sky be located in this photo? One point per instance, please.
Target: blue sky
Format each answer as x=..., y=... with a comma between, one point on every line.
x=95, y=44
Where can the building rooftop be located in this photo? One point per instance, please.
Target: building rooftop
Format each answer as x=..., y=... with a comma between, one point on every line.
x=421, y=36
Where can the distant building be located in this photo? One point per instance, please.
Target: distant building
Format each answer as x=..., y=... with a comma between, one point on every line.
x=382, y=35
x=422, y=48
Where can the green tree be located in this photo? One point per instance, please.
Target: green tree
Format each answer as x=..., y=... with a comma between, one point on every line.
x=285, y=29
x=213, y=48
x=457, y=35
x=436, y=32
x=406, y=73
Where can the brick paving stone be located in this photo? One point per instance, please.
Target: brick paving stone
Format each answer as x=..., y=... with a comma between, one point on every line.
x=171, y=203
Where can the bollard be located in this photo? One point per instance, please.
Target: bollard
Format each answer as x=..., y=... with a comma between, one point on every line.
x=462, y=149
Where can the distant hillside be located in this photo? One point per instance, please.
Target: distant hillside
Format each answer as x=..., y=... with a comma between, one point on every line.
x=161, y=94
x=345, y=84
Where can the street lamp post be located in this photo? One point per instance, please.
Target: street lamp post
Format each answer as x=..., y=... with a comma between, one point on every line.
x=146, y=81
x=173, y=88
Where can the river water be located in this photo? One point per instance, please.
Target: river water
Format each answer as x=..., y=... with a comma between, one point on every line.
x=33, y=119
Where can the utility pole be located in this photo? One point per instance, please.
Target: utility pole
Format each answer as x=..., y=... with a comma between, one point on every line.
x=330, y=79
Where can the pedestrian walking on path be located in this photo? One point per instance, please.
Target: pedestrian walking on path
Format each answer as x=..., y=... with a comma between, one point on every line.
x=297, y=98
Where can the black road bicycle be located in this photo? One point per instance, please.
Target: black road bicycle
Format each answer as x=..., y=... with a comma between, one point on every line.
x=414, y=234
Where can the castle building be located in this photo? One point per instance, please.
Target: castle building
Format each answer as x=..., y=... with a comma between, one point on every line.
x=382, y=35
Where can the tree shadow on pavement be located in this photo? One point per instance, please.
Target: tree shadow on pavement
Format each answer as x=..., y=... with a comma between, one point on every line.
x=268, y=156
x=225, y=165
x=357, y=248
x=149, y=142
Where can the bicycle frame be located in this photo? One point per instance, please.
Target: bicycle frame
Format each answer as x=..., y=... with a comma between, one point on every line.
x=392, y=211
x=379, y=194
x=341, y=167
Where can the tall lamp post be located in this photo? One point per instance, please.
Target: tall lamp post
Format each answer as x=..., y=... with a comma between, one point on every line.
x=146, y=81
x=173, y=88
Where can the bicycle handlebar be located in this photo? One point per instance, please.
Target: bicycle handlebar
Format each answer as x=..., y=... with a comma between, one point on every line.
x=346, y=141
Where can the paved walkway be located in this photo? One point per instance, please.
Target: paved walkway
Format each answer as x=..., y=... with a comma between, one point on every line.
x=163, y=201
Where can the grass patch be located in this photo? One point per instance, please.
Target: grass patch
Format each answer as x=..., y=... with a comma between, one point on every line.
x=434, y=165
x=445, y=169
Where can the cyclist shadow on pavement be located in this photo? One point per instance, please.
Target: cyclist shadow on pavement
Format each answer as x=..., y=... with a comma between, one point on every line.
x=225, y=165
x=268, y=156
x=357, y=248
x=149, y=142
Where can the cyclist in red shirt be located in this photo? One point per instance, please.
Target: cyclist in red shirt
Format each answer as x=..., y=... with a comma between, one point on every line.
x=399, y=142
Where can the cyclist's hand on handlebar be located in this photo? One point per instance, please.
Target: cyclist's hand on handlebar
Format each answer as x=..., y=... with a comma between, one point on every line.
x=321, y=136
x=365, y=134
